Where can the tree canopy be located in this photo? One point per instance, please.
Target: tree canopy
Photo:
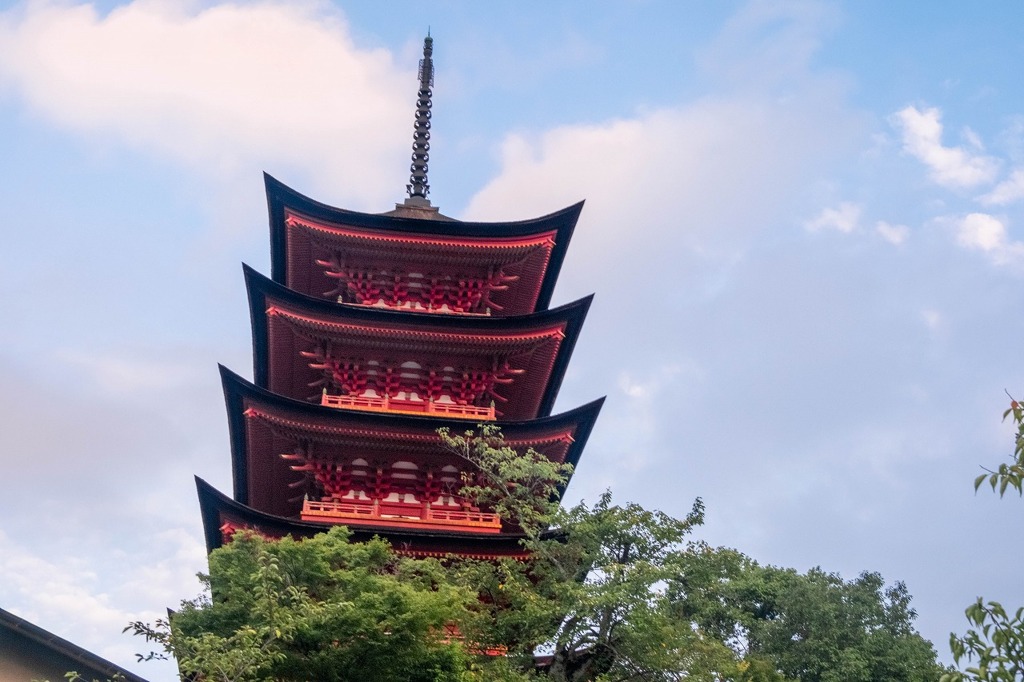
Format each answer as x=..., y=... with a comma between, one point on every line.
x=611, y=592
x=322, y=608
x=813, y=627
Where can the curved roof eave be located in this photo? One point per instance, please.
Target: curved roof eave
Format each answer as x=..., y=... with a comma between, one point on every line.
x=280, y=196
x=259, y=287
x=236, y=389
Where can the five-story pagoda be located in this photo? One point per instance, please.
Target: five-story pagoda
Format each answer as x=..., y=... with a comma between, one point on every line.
x=375, y=330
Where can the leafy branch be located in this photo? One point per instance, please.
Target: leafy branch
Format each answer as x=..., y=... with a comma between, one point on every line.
x=995, y=642
x=521, y=487
x=1012, y=474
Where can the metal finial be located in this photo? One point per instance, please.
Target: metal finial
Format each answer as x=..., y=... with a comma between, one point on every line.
x=418, y=187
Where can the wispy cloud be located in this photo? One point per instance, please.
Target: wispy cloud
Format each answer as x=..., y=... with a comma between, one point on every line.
x=844, y=218
x=1006, y=192
x=894, y=234
x=218, y=88
x=952, y=167
x=89, y=603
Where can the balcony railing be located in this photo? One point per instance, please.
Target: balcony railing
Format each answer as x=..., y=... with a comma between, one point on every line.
x=418, y=307
x=404, y=514
x=406, y=406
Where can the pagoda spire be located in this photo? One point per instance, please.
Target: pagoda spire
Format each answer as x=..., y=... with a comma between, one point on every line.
x=418, y=187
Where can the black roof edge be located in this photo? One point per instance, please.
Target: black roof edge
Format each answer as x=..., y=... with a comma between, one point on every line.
x=73, y=651
x=585, y=428
x=572, y=334
x=280, y=195
x=236, y=429
x=259, y=286
x=236, y=387
x=258, y=282
x=257, y=321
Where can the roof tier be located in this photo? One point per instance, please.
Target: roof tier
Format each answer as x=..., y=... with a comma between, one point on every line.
x=302, y=346
x=501, y=269
x=222, y=516
x=280, y=447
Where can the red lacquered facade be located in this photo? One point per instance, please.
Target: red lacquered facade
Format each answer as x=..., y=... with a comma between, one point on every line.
x=376, y=330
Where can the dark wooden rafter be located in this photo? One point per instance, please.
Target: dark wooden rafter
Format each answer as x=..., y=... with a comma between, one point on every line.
x=338, y=474
x=346, y=488
x=386, y=376
x=415, y=286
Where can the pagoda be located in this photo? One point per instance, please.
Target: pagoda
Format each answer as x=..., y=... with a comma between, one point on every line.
x=374, y=331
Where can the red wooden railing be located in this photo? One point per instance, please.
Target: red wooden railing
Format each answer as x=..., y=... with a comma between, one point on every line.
x=401, y=305
x=388, y=404
x=397, y=511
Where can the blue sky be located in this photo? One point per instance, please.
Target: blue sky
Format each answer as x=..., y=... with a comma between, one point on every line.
x=803, y=228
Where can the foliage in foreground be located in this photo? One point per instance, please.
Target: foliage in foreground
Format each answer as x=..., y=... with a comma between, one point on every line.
x=318, y=609
x=623, y=593
x=813, y=627
x=617, y=592
x=994, y=646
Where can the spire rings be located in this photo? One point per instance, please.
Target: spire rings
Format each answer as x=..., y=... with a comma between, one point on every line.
x=418, y=186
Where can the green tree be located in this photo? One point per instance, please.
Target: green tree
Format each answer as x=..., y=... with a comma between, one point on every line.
x=599, y=589
x=994, y=646
x=621, y=592
x=593, y=595
x=813, y=627
x=611, y=592
x=317, y=609
x=521, y=487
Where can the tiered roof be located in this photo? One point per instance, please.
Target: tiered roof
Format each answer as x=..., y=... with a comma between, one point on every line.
x=307, y=237
x=299, y=342
x=264, y=426
x=376, y=330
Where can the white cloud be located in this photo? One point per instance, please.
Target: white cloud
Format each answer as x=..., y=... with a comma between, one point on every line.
x=894, y=234
x=1006, y=192
x=90, y=599
x=953, y=167
x=764, y=44
x=981, y=231
x=986, y=233
x=645, y=390
x=220, y=88
x=1011, y=138
x=844, y=218
x=701, y=177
